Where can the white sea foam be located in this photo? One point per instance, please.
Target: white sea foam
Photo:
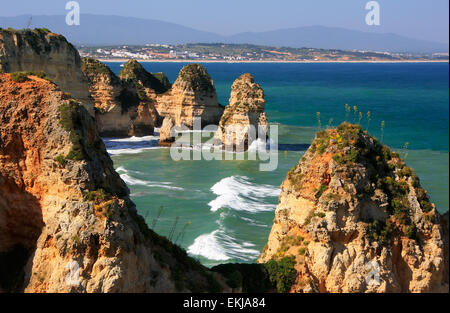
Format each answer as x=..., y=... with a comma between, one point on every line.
x=132, y=181
x=131, y=145
x=238, y=193
x=219, y=246
x=207, y=246
x=258, y=145
x=133, y=139
x=131, y=151
x=252, y=222
x=121, y=169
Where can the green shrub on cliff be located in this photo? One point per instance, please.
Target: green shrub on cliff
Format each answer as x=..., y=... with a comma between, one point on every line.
x=133, y=72
x=92, y=66
x=282, y=273
x=34, y=39
x=97, y=196
x=320, y=191
x=198, y=77
x=380, y=231
x=109, y=211
x=411, y=232
x=295, y=178
x=43, y=29
x=69, y=120
x=321, y=142
x=387, y=173
x=21, y=77
x=61, y=160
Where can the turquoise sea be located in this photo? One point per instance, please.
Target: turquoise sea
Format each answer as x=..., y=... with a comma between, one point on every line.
x=222, y=211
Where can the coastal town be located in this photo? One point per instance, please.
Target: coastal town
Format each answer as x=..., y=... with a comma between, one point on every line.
x=245, y=53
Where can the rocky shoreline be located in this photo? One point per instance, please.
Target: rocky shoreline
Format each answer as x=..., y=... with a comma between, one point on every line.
x=67, y=223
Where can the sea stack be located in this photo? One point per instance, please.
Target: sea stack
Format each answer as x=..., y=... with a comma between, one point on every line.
x=67, y=223
x=245, y=111
x=145, y=83
x=193, y=95
x=41, y=50
x=124, y=107
x=166, y=137
x=352, y=217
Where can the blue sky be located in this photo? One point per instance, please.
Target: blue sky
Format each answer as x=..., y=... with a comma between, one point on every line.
x=422, y=19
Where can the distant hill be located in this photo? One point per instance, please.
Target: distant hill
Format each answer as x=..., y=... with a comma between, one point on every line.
x=338, y=38
x=116, y=30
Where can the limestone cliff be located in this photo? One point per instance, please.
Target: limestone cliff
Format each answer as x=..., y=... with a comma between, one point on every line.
x=192, y=95
x=42, y=50
x=245, y=110
x=67, y=223
x=104, y=86
x=144, y=81
x=353, y=218
x=121, y=110
x=166, y=137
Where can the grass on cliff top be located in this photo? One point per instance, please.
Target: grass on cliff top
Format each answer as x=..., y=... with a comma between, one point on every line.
x=93, y=66
x=20, y=77
x=198, y=77
x=134, y=72
x=34, y=38
x=14, y=30
x=351, y=147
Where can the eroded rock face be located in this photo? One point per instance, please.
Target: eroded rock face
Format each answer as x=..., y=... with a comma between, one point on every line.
x=133, y=71
x=104, y=86
x=67, y=223
x=42, y=50
x=356, y=219
x=193, y=95
x=166, y=137
x=123, y=107
x=244, y=111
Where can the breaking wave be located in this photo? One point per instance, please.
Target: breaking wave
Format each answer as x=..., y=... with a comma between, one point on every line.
x=219, y=246
x=238, y=193
x=132, y=145
x=130, y=180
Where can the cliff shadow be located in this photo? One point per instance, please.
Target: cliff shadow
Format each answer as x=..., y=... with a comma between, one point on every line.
x=401, y=268
x=21, y=224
